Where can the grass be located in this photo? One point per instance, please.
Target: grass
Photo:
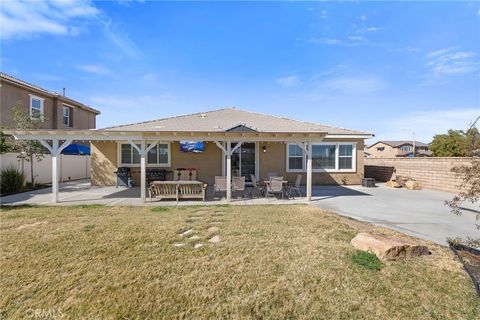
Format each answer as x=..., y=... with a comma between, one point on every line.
x=367, y=260
x=271, y=262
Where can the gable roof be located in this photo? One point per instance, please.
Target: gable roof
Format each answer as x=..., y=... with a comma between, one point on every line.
x=233, y=119
x=398, y=143
x=4, y=76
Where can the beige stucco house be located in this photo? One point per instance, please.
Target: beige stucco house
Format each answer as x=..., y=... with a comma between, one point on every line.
x=234, y=142
x=58, y=111
x=401, y=148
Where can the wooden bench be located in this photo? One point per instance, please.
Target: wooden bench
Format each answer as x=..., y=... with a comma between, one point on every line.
x=177, y=190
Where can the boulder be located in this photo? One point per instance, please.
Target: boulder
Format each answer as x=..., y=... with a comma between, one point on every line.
x=412, y=185
x=393, y=184
x=388, y=248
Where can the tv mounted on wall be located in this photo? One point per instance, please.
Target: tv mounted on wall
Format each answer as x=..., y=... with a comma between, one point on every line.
x=192, y=146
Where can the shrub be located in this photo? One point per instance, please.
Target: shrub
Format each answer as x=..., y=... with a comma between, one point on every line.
x=367, y=260
x=11, y=180
x=159, y=209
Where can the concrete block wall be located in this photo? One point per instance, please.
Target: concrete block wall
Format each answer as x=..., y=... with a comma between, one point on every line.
x=431, y=173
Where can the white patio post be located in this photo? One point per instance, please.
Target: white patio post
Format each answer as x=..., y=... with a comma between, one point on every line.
x=143, y=174
x=54, y=152
x=309, y=170
x=229, y=170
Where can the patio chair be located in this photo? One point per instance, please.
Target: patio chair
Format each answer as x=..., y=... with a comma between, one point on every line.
x=238, y=185
x=296, y=187
x=220, y=185
x=256, y=188
x=274, y=187
x=271, y=174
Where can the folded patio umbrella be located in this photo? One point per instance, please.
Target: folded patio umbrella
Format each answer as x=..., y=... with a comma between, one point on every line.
x=76, y=149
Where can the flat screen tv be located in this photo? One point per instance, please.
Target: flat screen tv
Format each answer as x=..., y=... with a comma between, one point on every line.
x=192, y=146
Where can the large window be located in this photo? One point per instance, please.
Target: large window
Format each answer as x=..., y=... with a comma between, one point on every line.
x=323, y=156
x=295, y=157
x=331, y=157
x=159, y=155
x=36, y=106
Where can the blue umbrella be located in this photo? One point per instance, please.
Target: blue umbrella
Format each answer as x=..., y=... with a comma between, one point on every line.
x=76, y=149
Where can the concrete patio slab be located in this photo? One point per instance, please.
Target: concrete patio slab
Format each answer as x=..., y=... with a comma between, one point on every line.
x=420, y=213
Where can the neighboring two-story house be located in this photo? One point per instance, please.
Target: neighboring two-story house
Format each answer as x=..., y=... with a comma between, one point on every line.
x=58, y=111
x=392, y=149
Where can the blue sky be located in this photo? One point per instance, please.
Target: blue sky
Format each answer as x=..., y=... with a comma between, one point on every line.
x=391, y=68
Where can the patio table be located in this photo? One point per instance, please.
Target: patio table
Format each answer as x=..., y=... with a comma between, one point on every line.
x=284, y=183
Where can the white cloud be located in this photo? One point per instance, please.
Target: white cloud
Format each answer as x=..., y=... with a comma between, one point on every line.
x=323, y=14
x=353, y=84
x=427, y=124
x=367, y=29
x=288, y=81
x=94, y=68
x=21, y=19
x=363, y=18
x=121, y=39
x=450, y=61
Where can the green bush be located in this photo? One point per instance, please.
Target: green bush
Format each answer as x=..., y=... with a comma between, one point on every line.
x=11, y=180
x=367, y=260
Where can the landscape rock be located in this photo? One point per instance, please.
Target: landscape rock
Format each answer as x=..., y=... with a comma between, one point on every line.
x=214, y=239
x=412, y=185
x=213, y=229
x=186, y=233
x=388, y=248
x=393, y=184
x=198, y=245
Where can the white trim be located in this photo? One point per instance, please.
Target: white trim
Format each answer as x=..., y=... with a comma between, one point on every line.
x=42, y=102
x=148, y=165
x=65, y=107
x=336, y=170
x=349, y=136
x=257, y=160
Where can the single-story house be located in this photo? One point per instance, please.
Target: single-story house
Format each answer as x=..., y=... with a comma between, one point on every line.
x=229, y=142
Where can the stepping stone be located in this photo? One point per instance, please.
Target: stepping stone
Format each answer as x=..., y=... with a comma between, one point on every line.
x=213, y=223
x=213, y=229
x=198, y=245
x=214, y=239
x=201, y=212
x=186, y=233
x=179, y=245
x=218, y=213
x=195, y=218
x=194, y=237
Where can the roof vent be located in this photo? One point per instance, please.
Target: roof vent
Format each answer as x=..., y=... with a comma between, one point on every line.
x=203, y=115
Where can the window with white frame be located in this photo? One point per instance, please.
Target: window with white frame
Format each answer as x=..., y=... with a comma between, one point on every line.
x=159, y=155
x=323, y=156
x=329, y=157
x=66, y=113
x=405, y=148
x=345, y=156
x=296, y=158
x=36, y=106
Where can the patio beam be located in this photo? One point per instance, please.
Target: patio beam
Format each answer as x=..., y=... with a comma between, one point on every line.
x=143, y=173
x=229, y=171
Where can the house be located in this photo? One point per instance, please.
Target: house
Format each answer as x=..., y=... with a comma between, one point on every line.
x=233, y=141
x=402, y=148
x=58, y=111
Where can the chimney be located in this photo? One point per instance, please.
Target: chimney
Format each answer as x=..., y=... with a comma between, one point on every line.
x=64, y=91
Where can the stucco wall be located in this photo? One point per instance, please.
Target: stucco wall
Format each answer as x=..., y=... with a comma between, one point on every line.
x=431, y=173
x=11, y=94
x=209, y=164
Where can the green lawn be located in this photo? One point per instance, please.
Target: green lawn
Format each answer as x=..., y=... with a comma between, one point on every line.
x=271, y=262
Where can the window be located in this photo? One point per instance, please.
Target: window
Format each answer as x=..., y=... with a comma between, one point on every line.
x=323, y=156
x=345, y=156
x=36, y=106
x=66, y=116
x=329, y=157
x=405, y=148
x=295, y=157
x=159, y=155
x=380, y=148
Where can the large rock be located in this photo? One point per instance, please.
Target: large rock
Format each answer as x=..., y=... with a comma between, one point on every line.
x=393, y=184
x=412, y=185
x=388, y=248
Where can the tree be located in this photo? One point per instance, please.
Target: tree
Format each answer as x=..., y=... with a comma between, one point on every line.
x=28, y=149
x=470, y=174
x=453, y=144
x=4, y=145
